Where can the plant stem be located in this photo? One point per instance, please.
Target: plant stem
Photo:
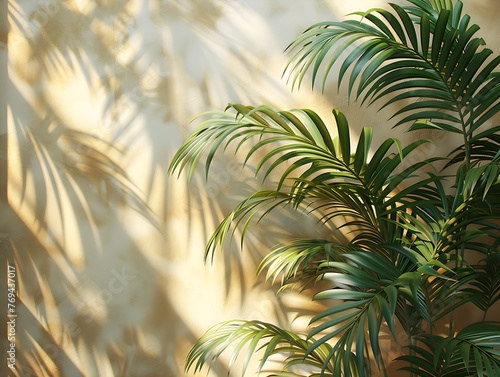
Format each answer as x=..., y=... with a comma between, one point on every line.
x=411, y=342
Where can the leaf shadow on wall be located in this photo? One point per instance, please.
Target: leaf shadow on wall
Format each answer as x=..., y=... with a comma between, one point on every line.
x=97, y=107
x=69, y=188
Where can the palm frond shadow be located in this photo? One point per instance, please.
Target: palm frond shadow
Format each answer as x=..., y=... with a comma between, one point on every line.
x=74, y=167
x=57, y=320
x=228, y=184
x=74, y=182
x=229, y=181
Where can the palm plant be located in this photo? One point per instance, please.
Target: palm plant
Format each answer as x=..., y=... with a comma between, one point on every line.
x=409, y=259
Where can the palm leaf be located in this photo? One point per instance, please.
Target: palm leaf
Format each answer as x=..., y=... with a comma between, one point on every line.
x=485, y=286
x=475, y=350
x=252, y=336
x=258, y=204
x=299, y=261
x=357, y=189
x=371, y=289
x=425, y=51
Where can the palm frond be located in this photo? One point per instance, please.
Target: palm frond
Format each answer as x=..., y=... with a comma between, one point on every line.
x=474, y=351
x=484, y=148
x=372, y=290
x=235, y=336
x=299, y=261
x=485, y=286
x=259, y=204
x=401, y=259
x=326, y=177
x=425, y=57
x=301, y=134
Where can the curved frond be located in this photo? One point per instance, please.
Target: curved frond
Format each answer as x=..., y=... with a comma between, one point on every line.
x=484, y=148
x=259, y=204
x=372, y=291
x=474, y=351
x=485, y=286
x=246, y=338
x=320, y=174
x=299, y=261
x=426, y=57
x=300, y=134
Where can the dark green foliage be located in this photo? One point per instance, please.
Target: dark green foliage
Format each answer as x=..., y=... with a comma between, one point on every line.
x=408, y=261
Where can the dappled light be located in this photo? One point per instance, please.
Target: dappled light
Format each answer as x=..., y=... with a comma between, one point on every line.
x=100, y=95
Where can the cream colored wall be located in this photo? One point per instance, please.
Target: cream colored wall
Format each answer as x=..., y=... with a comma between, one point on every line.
x=109, y=248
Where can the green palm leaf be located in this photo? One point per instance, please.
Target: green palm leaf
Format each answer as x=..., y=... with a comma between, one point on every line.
x=252, y=336
x=398, y=247
x=356, y=188
x=484, y=149
x=474, y=351
x=299, y=261
x=426, y=51
x=485, y=283
x=371, y=289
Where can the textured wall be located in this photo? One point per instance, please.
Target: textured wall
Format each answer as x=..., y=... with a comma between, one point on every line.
x=108, y=248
